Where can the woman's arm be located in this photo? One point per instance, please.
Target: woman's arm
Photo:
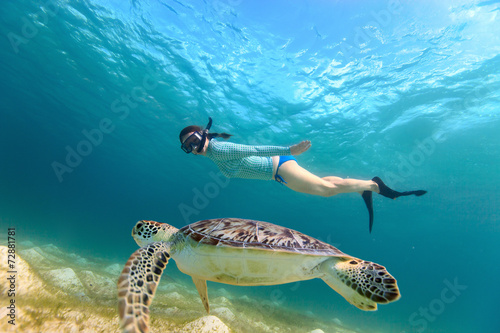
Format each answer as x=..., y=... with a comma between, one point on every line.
x=230, y=151
x=300, y=147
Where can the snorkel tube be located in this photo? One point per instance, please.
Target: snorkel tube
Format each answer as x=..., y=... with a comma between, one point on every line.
x=205, y=134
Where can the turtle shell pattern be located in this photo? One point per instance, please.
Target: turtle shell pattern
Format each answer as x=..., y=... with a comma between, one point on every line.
x=242, y=233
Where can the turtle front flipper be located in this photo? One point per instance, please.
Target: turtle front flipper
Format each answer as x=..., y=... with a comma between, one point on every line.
x=137, y=285
x=361, y=283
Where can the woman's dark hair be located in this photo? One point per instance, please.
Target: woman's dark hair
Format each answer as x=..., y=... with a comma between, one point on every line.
x=194, y=128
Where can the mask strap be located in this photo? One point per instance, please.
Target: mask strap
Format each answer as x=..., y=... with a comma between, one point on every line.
x=204, y=137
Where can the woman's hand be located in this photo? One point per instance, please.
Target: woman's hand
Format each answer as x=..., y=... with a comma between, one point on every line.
x=301, y=147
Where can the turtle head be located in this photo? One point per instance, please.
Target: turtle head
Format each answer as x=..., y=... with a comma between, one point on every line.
x=146, y=232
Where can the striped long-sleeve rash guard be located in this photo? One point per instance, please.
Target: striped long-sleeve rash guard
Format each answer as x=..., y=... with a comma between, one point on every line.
x=242, y=161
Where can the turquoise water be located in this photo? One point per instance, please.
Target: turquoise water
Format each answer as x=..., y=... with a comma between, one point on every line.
x=94, y=94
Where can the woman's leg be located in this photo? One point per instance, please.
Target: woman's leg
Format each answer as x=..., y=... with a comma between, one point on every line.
x=348, y=185
x=301, y=180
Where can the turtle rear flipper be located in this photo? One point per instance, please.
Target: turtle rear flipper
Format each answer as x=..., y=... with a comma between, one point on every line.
x=137, y=285
x=361, y=283
x=201, y=286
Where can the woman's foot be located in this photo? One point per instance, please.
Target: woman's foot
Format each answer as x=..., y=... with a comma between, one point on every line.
x=386, y=191
x=367, y=197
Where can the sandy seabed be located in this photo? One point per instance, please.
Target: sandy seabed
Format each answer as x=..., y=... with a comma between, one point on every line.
x=54, y=291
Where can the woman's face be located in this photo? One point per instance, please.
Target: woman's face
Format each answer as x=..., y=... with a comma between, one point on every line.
x=194, y=142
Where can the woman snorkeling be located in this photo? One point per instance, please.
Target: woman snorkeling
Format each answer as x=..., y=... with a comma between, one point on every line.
x=273, y=162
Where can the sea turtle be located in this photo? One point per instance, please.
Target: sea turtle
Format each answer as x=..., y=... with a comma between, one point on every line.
x=245, y=253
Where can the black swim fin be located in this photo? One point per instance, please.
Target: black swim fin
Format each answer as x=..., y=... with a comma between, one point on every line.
x=367, y=197
x=390, y=193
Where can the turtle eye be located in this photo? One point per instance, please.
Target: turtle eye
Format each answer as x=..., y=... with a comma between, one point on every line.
x=139, y=225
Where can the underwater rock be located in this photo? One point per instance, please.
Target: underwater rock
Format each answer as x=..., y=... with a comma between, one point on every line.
x=36, y=255
x=114, y=269
x=52, y=249
x=66, y=279
x=183, y=301
x=32, y=255
x=81, y=296
x=221, y=301
x=98, y=285
x=245, y=298
x=40, y=257
x=223, y=292
x=207, y=324
x=337, y=321
x=224, y=313
x=167, y=287
x=26, y=244
x=77, y=260
x=174, y=296
x=309, y=314
x=262, y=327
x=27, y=282
x=175, y=312
x=171, y=312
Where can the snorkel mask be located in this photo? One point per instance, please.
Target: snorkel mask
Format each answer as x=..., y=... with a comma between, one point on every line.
x=197, y=139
